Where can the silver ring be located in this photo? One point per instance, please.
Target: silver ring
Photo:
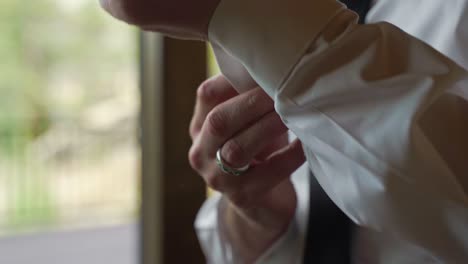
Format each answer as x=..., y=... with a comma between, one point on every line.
x=226, y=169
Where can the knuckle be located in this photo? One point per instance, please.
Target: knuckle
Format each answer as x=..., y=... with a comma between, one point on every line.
x=209, y=176
x=193, y=129
x=213, y=181
x=234, y=153
x=216, y=123
x=195, y=158
x=205, y=91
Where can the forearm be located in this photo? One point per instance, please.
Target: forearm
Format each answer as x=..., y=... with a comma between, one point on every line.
x=186, y=19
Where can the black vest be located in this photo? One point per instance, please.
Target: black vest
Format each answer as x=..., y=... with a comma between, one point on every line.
x=329, y=231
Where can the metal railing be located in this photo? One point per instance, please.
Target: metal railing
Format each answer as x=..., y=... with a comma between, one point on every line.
x=72, y=174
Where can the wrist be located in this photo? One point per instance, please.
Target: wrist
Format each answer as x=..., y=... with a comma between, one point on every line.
x=252, y=231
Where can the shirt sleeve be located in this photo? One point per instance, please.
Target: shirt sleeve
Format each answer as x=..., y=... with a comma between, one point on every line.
x=383, y=117
x=287, y=249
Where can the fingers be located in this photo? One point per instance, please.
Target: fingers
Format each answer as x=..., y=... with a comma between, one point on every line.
x=232, y=116
x=259, y=180
x=248, y=127
x=209, y=94
x=245, y=146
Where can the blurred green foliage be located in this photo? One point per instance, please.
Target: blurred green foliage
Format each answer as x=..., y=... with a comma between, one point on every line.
x=45, y=40
x=55, y=60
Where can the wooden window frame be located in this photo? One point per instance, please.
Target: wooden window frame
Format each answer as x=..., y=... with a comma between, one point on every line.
x=172, y=193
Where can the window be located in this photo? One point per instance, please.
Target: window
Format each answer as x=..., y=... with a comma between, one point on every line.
x=70, y=134
x=69, y=104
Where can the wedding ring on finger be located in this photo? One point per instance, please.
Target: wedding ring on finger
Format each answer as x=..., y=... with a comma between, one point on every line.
x=229, y=170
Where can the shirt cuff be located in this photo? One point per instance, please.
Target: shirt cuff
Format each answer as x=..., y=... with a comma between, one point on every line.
x=270, y=36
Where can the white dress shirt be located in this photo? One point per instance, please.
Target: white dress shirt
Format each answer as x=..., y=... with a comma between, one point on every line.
x=381, y=113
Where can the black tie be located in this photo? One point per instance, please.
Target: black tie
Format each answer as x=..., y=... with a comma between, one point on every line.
x=359, y=6
x=329, y=231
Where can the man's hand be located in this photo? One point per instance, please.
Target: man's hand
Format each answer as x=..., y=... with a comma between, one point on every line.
x=187, y=19
x=262, y=201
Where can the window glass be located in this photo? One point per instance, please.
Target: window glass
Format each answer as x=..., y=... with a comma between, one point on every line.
x=68, y=116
